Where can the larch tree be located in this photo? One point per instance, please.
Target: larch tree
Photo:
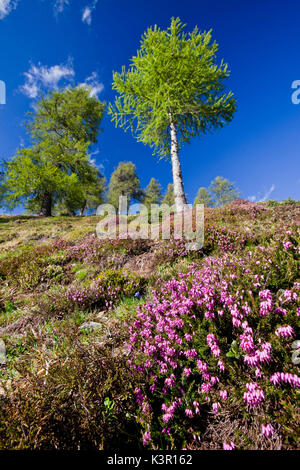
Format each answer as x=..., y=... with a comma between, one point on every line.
x=87, y=194
x=63, y=126
x=152, y=193
x=223, y=191
x=169, y=196
x=204, y=197
x=173, y=91
x=124, y=181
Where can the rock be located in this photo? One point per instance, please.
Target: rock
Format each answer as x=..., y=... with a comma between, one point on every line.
x=90, y=325
x=2, y=353
x=143, y=264
x=101, y=315
x=296, y=358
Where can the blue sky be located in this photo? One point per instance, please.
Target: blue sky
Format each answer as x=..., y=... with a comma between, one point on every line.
x=50, y=43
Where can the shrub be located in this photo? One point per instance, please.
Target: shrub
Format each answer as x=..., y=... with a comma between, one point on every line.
x=105, y=291
x=216, y=339
x=84, y=401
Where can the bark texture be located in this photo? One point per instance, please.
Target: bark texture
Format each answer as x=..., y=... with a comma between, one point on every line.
x=179, y=195
x=46, y=208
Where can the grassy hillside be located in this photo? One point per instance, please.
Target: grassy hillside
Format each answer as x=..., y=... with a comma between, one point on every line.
x=139, y=343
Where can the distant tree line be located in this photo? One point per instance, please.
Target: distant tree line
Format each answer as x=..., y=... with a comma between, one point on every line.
x=55, y=174
x=174, y=90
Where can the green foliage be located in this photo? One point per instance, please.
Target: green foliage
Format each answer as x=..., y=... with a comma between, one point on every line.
x=124, y=181
x=172, y=75
x=66, y=389
x=223, y=191
x=152, y=193
x=169, y=196
x=87, y=194
x=128, y=284
x=204, y=197
x=63, y=126
x=286, y=202
x=188, y=370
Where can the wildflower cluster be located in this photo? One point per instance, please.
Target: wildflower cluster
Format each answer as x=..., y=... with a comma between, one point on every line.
x=211, y=338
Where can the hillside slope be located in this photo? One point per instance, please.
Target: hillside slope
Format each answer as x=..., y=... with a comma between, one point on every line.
x=139, y=343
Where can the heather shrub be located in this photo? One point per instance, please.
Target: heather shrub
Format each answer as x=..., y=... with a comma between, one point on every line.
x=198, y=355
x=108, y=288
x=93, y=249
x=80, y=400
x=217, y=339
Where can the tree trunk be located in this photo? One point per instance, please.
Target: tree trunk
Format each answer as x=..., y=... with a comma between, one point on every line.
x=179, y=196
x=83, y=208
x=46, y=205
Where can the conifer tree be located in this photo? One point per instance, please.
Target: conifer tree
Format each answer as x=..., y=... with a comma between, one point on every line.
x=124, y=181
x=173, y=91
x=152, y=193
x=62, y=128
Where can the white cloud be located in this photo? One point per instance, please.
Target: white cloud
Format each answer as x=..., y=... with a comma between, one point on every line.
x=265, y=197
x=87, y=15
x=6, y=6
x=92, y=83
x=87, y=12
x=40, y=76
x=60, y=5
x=268, y=193
x=93, y=161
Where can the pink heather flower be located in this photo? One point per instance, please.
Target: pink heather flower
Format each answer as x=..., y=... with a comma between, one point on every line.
x=206, y=375
x=187, y=371
x=267, y=304
x=284, y=331
x=205, y=388
x=236, y=322
x=216, y=406
x=223, y=394
x=287, y=245
x=292, y=379
x=221, y=366
x=214, y=380
x=255, y=395
x=267, y=430
x=259, y=356
x=202, y=365
x=139, y=395
x=228, y=446
x=166, y=417
x=191, y=353
x=146, y=438
x=170, y=382
x=189, y=413
x=247, y=343
x=212, y=342
x=283, y=311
